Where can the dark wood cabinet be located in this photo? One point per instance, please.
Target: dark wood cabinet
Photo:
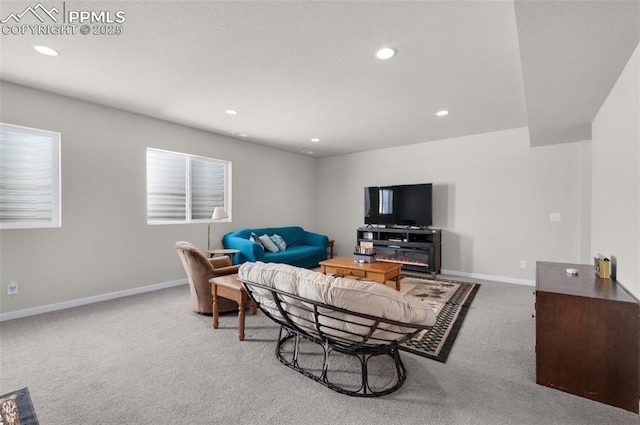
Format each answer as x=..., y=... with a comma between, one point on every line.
x=587, y=335
x=416, y=249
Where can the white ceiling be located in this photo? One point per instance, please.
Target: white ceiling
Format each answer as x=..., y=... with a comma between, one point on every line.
x=295, y=70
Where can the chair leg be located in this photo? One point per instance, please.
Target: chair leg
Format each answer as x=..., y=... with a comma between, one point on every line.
x=241, y=307
x=216, y=307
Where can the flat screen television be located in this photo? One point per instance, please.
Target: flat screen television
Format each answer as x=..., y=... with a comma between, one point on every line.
x=401, y=205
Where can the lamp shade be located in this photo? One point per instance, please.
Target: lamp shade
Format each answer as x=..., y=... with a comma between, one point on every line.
x=219, y=213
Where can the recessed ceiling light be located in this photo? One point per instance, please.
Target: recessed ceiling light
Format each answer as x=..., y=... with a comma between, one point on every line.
x=46, y=50
x=315, y=140
x=386, y=53
x=307, y=152
x=231, y=112
x=240, y=134
x=442, y=113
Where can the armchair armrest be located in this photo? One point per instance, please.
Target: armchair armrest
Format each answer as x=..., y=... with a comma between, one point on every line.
x=316, y=239
x=219, y=262
x=222, y=271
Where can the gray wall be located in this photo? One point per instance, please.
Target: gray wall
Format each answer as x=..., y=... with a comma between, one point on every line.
x=105, y=245
x=493, y=195
x=616, y=176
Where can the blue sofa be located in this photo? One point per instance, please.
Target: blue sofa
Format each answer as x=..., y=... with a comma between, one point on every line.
x=304, y=249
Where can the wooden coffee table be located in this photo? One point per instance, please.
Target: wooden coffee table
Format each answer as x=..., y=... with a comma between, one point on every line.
x=376, y=271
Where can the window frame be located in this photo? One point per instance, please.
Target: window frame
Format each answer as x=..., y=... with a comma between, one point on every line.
x=56, y=179
x=188, y=219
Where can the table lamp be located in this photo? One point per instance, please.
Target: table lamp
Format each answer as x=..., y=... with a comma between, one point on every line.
x=218, y=214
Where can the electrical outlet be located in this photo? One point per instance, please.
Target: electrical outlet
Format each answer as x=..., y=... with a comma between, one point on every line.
x=12, y=288
x=523, y=264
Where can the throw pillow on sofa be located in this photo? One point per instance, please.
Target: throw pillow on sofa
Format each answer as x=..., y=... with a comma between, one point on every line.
x=268, y=243
x=279, y=241
x=256, y=239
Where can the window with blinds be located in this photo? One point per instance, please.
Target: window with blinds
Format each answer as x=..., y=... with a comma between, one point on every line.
x=184, y=188
x=29, y=178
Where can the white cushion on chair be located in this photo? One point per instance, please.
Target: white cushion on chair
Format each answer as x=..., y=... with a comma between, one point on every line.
x=359, y=296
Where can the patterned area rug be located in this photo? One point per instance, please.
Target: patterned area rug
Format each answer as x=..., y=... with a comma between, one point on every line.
x=451, y=300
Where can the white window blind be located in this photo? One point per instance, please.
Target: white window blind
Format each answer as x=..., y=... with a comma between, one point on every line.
x=183, y=188
x=207, y=187
x=29, y=177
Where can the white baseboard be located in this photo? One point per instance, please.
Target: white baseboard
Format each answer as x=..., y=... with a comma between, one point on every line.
x=490, y=277
x=89, y=300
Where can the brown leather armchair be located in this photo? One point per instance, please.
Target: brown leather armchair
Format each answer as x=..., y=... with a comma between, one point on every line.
x=199, y=270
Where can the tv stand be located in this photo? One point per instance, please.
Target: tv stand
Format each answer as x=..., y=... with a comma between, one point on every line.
x=416, y=249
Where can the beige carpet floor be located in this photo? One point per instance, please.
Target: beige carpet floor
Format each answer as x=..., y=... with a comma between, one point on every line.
x=147, y=359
